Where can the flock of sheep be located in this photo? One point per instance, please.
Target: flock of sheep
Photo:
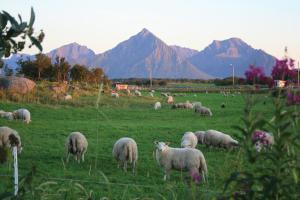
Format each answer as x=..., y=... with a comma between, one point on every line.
x=125, y=150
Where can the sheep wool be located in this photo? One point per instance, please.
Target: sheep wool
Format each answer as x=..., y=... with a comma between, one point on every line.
x=189, y=140
x=76, y=144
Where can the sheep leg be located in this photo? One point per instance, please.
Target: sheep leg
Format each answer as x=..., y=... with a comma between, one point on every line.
x=82, y=157
x=68, y=157
x=133, y=167
x=125, y=166
x=167, y=174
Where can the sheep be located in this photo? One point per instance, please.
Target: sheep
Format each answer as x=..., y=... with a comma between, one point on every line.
x=203, y=111
x=186, y=105
x=189, y=140
x=10, y=138
x=152, y=91
x=6, y=115
x=200, y=136
x=182, y=159
x=170, y=99
x=137, y=93
x=76, y=144
x=157, y=106
x=67, y=97
x=196, y=104
x=23, y=114
x=262, y=140
x=115, y=95
x=218, y=139
x=125, y=150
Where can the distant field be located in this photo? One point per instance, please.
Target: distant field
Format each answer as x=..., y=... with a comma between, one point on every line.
x=44, y=139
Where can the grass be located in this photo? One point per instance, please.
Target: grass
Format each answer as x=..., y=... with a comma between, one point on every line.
x=43, y=141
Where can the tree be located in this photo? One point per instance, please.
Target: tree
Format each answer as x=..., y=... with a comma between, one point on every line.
x=61, y=68
x=97, y=75
x=41, y=63
x=79, y=73
x=284, y=70
x=255, y=75
x=14, y=34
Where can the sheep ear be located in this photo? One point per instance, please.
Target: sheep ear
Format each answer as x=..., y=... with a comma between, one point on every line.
x=167, y=143
x=155, y=142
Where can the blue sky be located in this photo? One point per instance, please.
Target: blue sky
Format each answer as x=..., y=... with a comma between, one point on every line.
x=264, y=24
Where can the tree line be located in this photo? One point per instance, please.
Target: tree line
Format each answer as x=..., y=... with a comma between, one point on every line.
x=41, y=68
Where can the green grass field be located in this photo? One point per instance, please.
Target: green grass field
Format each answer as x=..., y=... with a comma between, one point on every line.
x=43, y=144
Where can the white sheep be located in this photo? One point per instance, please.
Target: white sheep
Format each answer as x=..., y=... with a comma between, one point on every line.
x=115, y=95
x=182, y=159
x=76, y=144
x=218, y=139
x=189, y=140
x=23, y=114
x=10, y=138
x=196, y=104
x=6, y=115
x=170, y=99
x=137, y=93
x=125, y=151
x=67, y=97
x=203, y=111
x=153, y=91
x=157, y=106
x=200, y=136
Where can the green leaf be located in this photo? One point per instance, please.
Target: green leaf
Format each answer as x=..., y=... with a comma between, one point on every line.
x=3, y=21
x=32, y=17
x=12, y=20
x=36, y=43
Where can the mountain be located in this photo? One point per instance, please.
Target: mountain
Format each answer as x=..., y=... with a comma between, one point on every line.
x=12, y=62
x=184, y=52
x=217, y=58
x=142, y=52
x=74, y=54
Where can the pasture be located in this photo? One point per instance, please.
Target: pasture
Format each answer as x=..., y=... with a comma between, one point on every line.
x=44, y=139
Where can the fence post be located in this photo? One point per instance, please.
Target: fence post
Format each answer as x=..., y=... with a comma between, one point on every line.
x=16, y=175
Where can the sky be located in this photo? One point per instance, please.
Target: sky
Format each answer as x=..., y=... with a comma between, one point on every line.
x=100, y=25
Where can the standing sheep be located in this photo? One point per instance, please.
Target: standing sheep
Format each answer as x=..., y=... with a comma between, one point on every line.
x=23, y=114
x=219, y=139
x=189, y=140
x=137, y=93
x=203, y=111
x=181, y=159
x=125, y=150
x=10, y=138
x=6, y=115
x=196, y=105
x=170, y=99
x=76, y=144
x=157, y=106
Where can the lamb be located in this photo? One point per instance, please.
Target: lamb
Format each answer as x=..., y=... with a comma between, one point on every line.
x=203, y=111
x=262, y=140
x=125, y=150
x=189, y=140
x=182, y=159
x=115, y=95
x=23, y=114
x=170, y=99
x=219, y=139
x=200, y=136
x=157, y=106
x=137, y=93
x=76, y=144
x=10, y=138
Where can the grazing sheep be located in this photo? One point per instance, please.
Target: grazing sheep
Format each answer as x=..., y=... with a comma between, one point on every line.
x=170, y=99
x=137, y=93
x=200, y=136
x=203, y=111
x=67, y=97
x=262, y=140
x=10, y=138
x=157, y=106
x=115, y=95
x=189, y=140
x=218, y=139
x=76, y=144
x=186, y=105
x=181, y=159
x=125, y=150
x=196, y=104
x=23, y=114
x=222, y=105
